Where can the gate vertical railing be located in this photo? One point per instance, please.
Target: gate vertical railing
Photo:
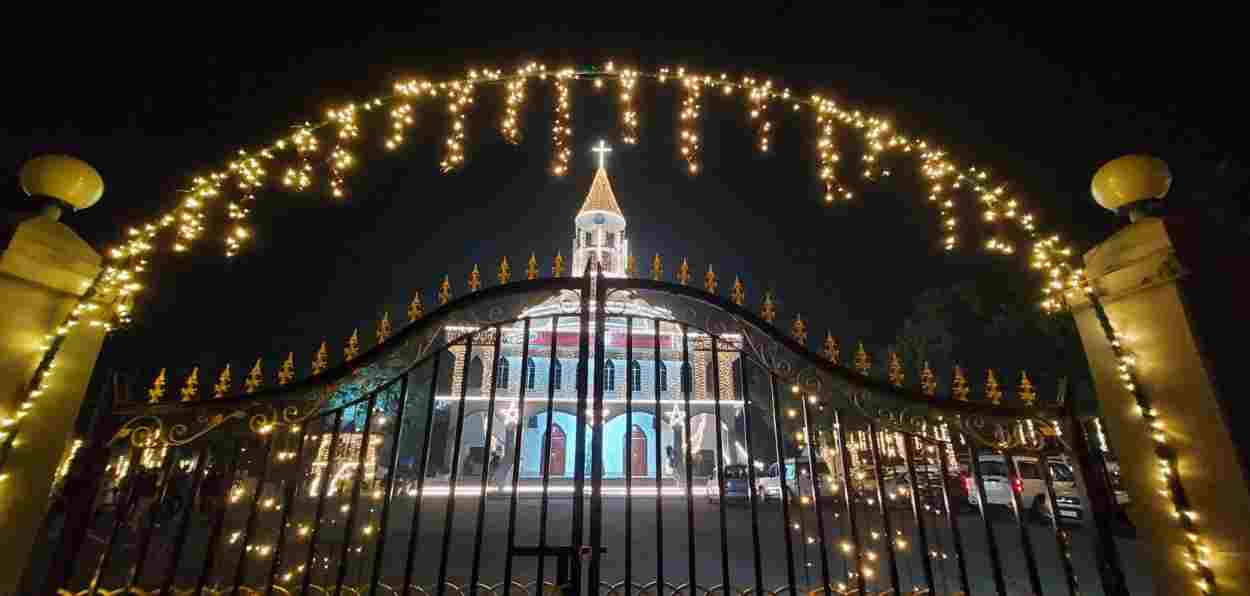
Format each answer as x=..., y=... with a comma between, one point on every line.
x=516, y=450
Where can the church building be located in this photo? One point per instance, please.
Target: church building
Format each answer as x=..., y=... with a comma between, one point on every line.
x=548, y=375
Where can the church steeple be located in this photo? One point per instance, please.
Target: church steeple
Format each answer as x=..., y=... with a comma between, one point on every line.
x=600, y=226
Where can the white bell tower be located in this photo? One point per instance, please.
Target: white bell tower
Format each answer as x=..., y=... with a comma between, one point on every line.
x=600, y=226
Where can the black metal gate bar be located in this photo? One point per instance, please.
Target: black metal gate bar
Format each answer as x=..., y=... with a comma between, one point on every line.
x=1000, y=583
x=119, y=519
x=926, y=559
x=409, y=558
x=516, y=456
x=1062, y=540
x=145, y=539
x=720, y=468
x=310, y=560
x=1030, y=559
x=849, y=497
x=577, y=535
x=449, y=511
x=214, y=537
x=659, y=466
x=1102, y=498
x=629, y=454
x=775, y=398
x=349, y=526
x=596, y=436
x=184, y=524
x=820, y=512
x=240, y=567
x=953, y=521
x=480, y=527
x=288, y=504
x=886, y=527
x=545, y=465
x=753, y=489
x=687, y=386
x=393, y=470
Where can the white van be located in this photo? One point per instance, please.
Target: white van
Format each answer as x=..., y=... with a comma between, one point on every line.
x=1029, y=485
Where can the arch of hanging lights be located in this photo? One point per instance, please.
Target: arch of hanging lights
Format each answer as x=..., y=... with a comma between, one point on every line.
x=328, y=150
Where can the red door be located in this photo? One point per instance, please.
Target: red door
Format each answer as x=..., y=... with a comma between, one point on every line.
x=555, y=462
x=638, y=452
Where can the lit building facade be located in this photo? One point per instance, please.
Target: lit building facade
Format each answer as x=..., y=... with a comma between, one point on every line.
x=629, y=446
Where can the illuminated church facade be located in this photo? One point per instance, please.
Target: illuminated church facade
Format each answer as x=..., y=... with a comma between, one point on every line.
x=629, y=445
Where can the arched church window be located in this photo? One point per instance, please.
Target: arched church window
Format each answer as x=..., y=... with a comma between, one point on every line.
x=501, y=374
x=635, y=376
x=589, y=240
x=475, y=373
x=557, y=374
x=609, y=376
x=687, y=384
x=530, y=372
x=661, y=378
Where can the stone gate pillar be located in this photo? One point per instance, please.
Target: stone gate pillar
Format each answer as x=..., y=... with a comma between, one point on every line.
x=44, y=269
x=1174, y=291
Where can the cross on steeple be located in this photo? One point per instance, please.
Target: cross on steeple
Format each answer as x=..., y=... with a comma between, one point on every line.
x=602, y=149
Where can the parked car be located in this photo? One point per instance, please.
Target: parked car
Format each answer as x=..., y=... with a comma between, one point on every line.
x=1029, y=485
x=737, y=484
x=798, y=481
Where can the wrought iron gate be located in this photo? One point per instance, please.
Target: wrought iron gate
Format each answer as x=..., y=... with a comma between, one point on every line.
x=425, y=466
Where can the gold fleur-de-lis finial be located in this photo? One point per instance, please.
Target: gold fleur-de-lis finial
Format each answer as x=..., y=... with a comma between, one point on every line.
x=254, y=379
x=531, y=268
x=158, y=388
x=321, y=360
x=505, y=272
x=223, y=384
x=1026, y=392
x=798, y=329
x=895, y=374
x=475, y=279
x=444, y=290
x=557, y=267
x=959, y=385
x=683, y=272
x=631, y=267
x=416, y=310
x=928, y=382
x=768, y=311
x=863, y=364
x=992, y=391
x=191, y=388
x=739, y=293
x=286, y=374
x=831, y=348
x=352, y=349
x=657, y=268
x=709, y=281
x=384, y=327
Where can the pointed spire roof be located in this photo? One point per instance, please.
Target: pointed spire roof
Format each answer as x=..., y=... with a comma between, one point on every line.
x=600, y=197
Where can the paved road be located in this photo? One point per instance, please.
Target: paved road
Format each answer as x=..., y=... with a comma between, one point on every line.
x=646, y=537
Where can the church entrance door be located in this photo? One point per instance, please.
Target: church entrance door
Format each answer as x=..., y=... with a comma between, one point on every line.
x=637, y=452
x=555, y=462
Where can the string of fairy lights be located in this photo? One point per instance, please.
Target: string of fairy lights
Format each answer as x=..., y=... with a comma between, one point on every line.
x=297, y=159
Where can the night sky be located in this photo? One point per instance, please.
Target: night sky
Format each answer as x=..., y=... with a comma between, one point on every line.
x=1040, y=99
